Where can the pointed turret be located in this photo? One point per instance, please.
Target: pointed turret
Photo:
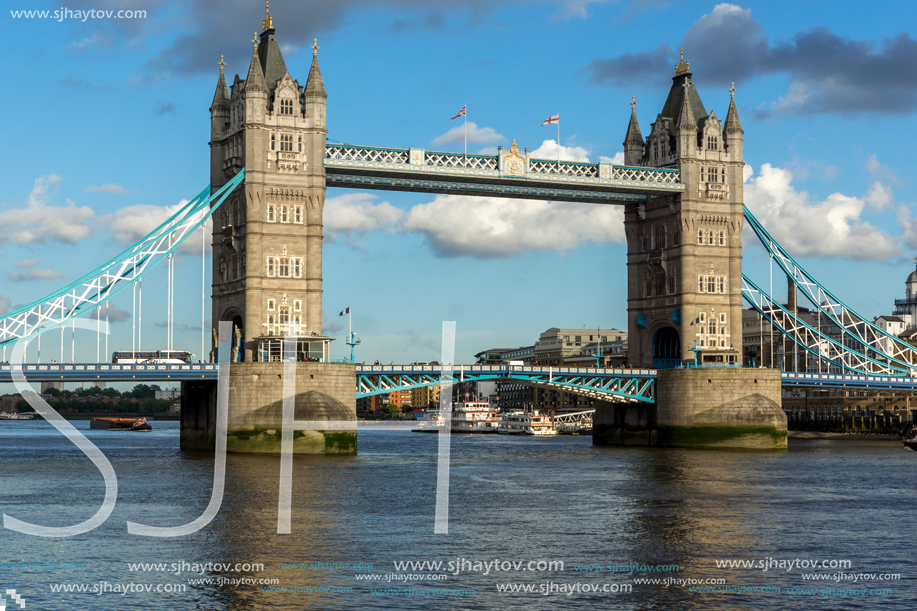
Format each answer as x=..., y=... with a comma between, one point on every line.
x=733, y=125
x=686, y=119
x=314, y=95
x=314, y=84
x=733, y=132
x=255, y=79
x=222, y=93
x=633, y=140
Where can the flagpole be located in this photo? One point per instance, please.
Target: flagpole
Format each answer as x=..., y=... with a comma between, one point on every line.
x=350, y=329
x=558, y=143
x=465, y=116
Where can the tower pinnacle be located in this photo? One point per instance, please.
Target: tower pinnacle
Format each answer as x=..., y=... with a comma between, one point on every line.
x=268, y=22
x=315, y=47
x=683, y=67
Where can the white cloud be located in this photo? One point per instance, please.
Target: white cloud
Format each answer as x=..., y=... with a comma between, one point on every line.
x=881, y=172
x=35, y=274
x=4, y=305
x=548, y=150
x=476, y=135
x=457, y=225
x=356, y=212
x=111, y=187
x=132, y=223
x=879, y=196
x=829, y=228
x=792, y=102
x=25, y=263
x=618, y=159
x=38, y=221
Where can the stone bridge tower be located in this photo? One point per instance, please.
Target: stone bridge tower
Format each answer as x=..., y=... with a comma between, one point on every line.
x=267, y=236
x=684, y=251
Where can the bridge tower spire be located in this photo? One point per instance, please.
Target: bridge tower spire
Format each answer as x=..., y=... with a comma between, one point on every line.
x=633, y=139
x=267, y=237
x=685, y=250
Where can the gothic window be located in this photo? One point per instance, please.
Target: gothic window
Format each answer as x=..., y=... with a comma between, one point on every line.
x=712, y=143
x=271, y=213
x=284, y=315
x=712, y=175
x=700, y=236
x=722, y=239
x=297, y=267
x=283, y=268
x=271, y=267
x=270, y=319
x=660, y=284
x=284, y=214
x=659, y=237
x=297, y=321
x=701, y=285
x=671, y=285
x=647, y=288
x=297, y=214
x=286, y=143
x=271, y=304
x=272, y=142
x=721, y=282
x=710, y=238
x=711, y=284
x=286, y=107
x=655, y=150
x=722, y=318
x=703, y=317
x=643, y=242
x=297, y=305
x=300, y=144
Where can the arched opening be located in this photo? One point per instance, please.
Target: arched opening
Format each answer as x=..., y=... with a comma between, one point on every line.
x=238, y=338
x=666, y=348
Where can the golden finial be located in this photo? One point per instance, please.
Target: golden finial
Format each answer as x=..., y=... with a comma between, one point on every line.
x=268, y=23
x=514, y=149
x=683, y=67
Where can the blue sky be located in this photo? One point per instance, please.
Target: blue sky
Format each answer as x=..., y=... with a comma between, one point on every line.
x=107, y=127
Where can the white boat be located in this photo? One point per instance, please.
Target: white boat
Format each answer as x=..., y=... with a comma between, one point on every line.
x=526, y=423
x=577, y=427
x=430, y=421
x=468, y=417
x=14, y=416
x=474, y=417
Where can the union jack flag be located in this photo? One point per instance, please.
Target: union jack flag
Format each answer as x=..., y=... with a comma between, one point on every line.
x=460, y=114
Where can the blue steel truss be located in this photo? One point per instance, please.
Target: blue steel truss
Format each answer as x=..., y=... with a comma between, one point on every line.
x=368, y=167
x=632, y=385
x=868, y=348
x=98, y=286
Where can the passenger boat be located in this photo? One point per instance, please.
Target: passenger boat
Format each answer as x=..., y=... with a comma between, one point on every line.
x=579, y=427
x=15, y=416
x=911, y=442
x=430, y=422
x=120, y=424
x=474, y=417
x=526, y=423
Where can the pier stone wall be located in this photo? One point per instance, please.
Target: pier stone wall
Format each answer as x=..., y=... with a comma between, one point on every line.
x=324, y=392
x=715, y=407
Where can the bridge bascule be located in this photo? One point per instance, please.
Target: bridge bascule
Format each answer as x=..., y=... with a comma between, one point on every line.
x=680, y=186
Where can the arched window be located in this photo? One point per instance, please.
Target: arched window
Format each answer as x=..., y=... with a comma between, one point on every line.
x=710, y=238
x=659, y=237
x=300, y=144
x=272, y=142
x=284, y=214
x=722, y=239
x=700, y=236
x=286, y=107
x=712, y=143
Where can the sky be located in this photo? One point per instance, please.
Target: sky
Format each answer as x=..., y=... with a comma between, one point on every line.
x=107, y=127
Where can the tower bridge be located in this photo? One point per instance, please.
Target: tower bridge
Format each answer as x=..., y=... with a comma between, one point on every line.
x=682, y=192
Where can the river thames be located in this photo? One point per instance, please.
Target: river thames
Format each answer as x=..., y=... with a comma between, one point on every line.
x=578, y=526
